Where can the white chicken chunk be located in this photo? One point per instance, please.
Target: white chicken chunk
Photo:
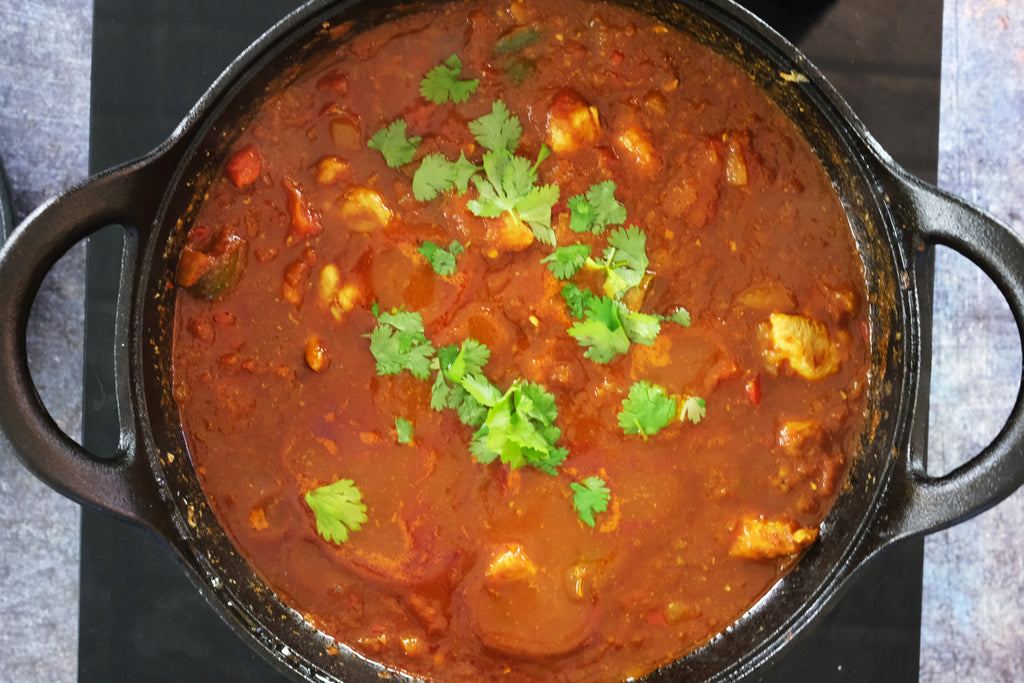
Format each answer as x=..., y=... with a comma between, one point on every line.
x=364, y=209
x=572, y=123
x=762, y=539
x=804, y=342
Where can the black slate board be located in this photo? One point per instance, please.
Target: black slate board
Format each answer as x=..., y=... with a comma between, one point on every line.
x=141, y=619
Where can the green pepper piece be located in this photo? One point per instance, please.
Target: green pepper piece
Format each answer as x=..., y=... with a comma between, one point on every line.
x=517, y=39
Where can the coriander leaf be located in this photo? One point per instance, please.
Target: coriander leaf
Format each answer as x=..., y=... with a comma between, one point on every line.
x=436, y=175
x=694, y=409
x=499, y=130
x=680, y=315
x=564, y=262
x=441, y=83
x=646, y=410
x=541, y=403
x=590, y=497
x=442, y=393
x=478, y=448
x=601, y=332
x=338, y=508
x=577, y=299
x=433, y=177
x=641, y=328
x=455, y=363
x=519, y=429
x=440, y=259
x=462, y=171
x=535, y=210
x=597, y=209
x=508, y=185
x=391, y=142
x=493, y=200
x=625, y=260
x=608, y=327
x=481, y=389
x=471, y=413
x=399, y=343
x=404, y=429
x=470, y=360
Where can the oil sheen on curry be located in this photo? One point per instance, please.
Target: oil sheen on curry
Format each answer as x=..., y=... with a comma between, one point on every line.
x=521, y=342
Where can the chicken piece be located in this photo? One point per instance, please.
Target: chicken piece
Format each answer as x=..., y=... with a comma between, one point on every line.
x=511, y=565
x=346, y=133
x=340, y=298
x=305, y=219
x=316, y=355
x=735, y=162
x=294, y=284
x=762, y=539
x=572, y=123
x=804, y=342
x=767, y=295
x=508, y=233
x=637, y=143
x=332, y=169
x=694, y=188
x=796, y=436
x=364, y=209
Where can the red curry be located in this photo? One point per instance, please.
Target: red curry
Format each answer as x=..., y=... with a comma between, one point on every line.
x=521, y=343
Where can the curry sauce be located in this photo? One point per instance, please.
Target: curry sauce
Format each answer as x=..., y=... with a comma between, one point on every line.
x=521, y=342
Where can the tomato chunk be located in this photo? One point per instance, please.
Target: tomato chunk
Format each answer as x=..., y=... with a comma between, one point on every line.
x=244, y=166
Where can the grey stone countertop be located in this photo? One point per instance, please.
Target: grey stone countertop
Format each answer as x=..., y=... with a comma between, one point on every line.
x=973, y=614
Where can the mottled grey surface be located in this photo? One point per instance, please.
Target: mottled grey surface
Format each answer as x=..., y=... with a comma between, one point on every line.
x=44, y=127
x=974, y=574
x=973, y=616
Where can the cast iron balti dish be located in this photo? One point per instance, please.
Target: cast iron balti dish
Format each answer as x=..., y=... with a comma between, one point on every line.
x=151, y=480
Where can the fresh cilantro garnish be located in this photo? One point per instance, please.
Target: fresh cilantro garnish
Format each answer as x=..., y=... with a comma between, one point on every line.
x=454, y=364
x=519, y=428
x=564, y=262
x=499, y=130
x=508, y=184
x=694, y=409
x=679, y=315
x=577, y=299
x=399, y=343
x=442, y=83
x=597, y=209
x=608, y=327
x=534, y=209
x=641, y=328
x=601, y=331
x=404, y=430
x=338, y=508
x=471, y=358
x=625, y=260
x=590, y=497
x=391, y=142
x=440, y=259
x=436, y=175
x=647, y=409
x=505, y=183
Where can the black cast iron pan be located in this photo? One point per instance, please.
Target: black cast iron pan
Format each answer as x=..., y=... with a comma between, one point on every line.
x=150, y=481
x=6, y=214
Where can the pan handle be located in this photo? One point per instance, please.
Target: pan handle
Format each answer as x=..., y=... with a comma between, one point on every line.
x=925, y=503
x=123, y=484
